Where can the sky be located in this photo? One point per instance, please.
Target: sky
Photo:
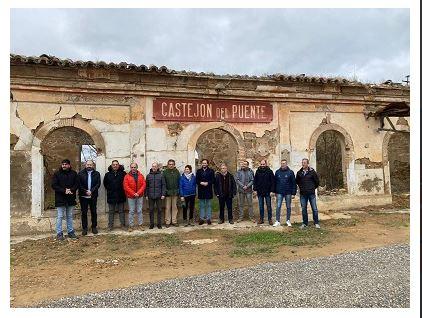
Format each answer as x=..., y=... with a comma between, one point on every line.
x=369, y=45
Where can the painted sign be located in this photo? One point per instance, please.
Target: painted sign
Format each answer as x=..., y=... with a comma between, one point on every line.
x=175, y=109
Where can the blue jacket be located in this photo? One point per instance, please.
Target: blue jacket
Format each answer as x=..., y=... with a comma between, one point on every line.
x=285, y=182
x=187, y=187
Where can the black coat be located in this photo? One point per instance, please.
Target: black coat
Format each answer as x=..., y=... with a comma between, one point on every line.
x=113, y=182
x=83, y=183
x=207, y=175
x=63, y=180
x=264, y=182
x=156, y=185
x=218, y=185
x=307, y=183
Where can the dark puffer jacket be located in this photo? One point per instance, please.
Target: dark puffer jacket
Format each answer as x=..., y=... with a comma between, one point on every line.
x=113, y=182
x=156, y=185
x=63, y=180
x=285, y=182
x=263, y=182
x=307, y=183
x=218, y=185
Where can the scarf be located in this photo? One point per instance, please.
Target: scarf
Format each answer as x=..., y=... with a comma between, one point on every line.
x=188, y=175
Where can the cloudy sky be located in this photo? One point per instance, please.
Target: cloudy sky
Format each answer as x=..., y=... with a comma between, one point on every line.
x=371, y=45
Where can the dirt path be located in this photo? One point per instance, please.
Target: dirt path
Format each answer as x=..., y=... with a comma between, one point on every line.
x=47, y=269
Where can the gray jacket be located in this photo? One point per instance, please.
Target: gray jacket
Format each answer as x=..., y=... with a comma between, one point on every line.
x=244, y=178
x=156, y=185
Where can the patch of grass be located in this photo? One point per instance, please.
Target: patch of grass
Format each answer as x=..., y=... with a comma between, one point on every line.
x=343, y=222
x=169, y=240
x=265, y=242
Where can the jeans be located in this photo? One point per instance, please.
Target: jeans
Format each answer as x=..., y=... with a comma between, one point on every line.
x=245, y=198
x=92, y=203
x=189, y=203
x=261, y=206
x=304, y=198
x=288, y=199
x=135, y=203
x=152, y=203
x=61, y=211
x=113, y=208
x=225, y=201
x=205, y=204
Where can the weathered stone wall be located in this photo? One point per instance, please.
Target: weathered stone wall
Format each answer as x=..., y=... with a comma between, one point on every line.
x=218, y=146
x=20, y=183
x=399, y=159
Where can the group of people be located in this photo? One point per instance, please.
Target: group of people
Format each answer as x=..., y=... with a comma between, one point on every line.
x=169, y=185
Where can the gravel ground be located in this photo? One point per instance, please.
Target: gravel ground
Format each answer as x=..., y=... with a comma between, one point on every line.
x=371, y=278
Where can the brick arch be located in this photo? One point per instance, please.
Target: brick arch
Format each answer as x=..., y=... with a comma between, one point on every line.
x=47, y=128
x=224, y=126
x=348, y=143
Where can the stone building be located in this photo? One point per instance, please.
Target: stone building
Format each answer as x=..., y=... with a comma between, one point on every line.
x=146, y=114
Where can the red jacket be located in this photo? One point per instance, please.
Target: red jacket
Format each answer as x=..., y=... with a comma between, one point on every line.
x=131, y=187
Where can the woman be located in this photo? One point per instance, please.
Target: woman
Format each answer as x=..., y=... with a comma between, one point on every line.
x=187, y=190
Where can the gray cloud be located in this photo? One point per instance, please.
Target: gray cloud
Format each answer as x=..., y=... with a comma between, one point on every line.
x=371, y=44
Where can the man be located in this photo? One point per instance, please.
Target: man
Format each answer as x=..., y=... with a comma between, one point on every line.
x=134, y=185
x=244, y=180
x=307, y=179
x=225, y=190
x=205, y=178
x=113, y=182
x=65, y=183
x=89, y=182
x=285, y=188
x=263, y=184
x=155, y=191
x=171, y=176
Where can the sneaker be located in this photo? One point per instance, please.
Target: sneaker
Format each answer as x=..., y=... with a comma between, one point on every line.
x=201, y=221
x=231, y=222
x=276, y=224
x=303, y=226
x=317, y=226
x=270, y=222
x=192, y=223
x=60, y=237
x=84, y=232
x=220, y=221
x=94, y=230
x=209, y=222
x=151, y=226
x=72, y=235
x=186, y=223
x=288, y=223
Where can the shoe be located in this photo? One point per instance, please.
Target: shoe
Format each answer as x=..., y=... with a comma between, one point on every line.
x=176, y=224
x=201, y=221
x=288, y=223
x=239, y=220
x=94, y=230
x=270, y=222
x=231, y=222
x=167, y=225
x=252, y=220
x=109, y=229
x=130, y=229
x=220, y=221
x=60, y=237
x=317, y=226
x=84, y=232
x=276, y=224
x=261, y=221
x=191, y=222
x=151, y=226
x=159, y=226
x=72, y=235
x=209, y=222
x=141, y=227
x=186, y=224
x=303, y=226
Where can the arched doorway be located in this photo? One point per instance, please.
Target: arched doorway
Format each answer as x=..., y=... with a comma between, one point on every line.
x=330, y=164
x=399, y=162
x=65, y=142
x=218, y=146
